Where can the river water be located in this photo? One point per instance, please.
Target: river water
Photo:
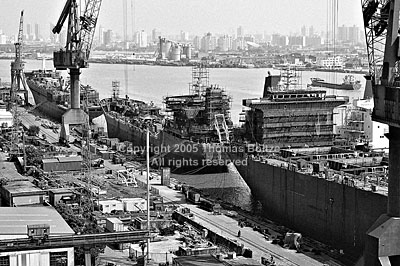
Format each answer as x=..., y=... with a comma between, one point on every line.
x=151, y=83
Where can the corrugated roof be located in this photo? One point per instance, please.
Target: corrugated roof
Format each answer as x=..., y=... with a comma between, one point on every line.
x=14, y=221
x=206, y=260
x=51, y=160
x=61, y=190
x=69, y=159
x=22, y=187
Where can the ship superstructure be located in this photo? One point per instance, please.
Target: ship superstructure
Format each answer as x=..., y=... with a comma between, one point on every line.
x=290, y=116
x=189, y=137
x=203, y=115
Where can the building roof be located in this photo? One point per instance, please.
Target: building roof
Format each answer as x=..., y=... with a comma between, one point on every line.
x=69, y=159
x=206, y=260
x=22, y=187
x=114, y=220
x=102, y=202
x=14, y=221
x=62, y=190
x=51, y=160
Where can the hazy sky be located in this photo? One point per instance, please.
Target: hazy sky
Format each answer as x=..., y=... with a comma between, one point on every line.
x=193, y=16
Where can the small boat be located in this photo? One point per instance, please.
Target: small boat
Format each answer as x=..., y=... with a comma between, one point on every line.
x=349, y=83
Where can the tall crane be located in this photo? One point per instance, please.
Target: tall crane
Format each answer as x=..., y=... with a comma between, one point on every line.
x=17, y=67
x=75, y=56
x=381, y=23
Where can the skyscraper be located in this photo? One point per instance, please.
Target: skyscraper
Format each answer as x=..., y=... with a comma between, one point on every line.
x=142, y=39
x=184, y=36
x=155, y=34
x=311, y=31
x=101, y=36
x=240, y=32
x=303, y=31
x=37, y=32
x=29, y=31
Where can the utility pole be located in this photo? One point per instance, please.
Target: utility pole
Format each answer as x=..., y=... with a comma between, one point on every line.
x=148, y=187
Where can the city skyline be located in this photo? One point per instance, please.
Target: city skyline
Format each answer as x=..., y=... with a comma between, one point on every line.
x=175, y=16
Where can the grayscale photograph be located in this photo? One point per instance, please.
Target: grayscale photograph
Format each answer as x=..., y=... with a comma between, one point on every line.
x=199, y=132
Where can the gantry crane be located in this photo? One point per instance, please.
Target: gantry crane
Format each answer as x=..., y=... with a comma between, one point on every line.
x=17, y=67
x=381, y=23
x=75, y=56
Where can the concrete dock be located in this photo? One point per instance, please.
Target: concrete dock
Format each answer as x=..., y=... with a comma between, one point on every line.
x=228, y=227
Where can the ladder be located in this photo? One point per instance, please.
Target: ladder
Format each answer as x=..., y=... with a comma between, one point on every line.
x=222, y=128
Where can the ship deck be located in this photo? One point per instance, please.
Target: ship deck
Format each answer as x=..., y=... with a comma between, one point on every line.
x=361, y=170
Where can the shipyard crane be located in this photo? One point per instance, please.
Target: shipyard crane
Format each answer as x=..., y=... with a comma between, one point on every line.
x=17, y=67
x=80, y=33
x=381, y=23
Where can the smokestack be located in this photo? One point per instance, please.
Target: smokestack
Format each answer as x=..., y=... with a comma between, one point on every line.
x=270, y=82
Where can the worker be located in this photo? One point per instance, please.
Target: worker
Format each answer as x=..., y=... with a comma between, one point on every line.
x=239, y=233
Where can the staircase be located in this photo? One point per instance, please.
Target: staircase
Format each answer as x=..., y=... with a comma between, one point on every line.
x=222, y=128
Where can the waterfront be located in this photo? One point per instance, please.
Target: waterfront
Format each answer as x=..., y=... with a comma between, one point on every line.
x=151, y=83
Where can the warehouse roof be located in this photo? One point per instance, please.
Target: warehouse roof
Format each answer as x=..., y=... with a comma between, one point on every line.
x=14, y=221
x=69, y=159
x=22, y=187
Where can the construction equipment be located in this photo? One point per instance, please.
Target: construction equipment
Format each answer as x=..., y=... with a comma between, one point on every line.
x=80, y=35
x=17, y=67
x=381, y=22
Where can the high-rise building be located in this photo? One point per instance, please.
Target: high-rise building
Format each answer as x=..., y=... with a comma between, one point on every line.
x=197, y=43
x=108, y=37
x=155, y=34
x=240, y=32
x=184, y=36
x=28, y=32
x=63, y=37
x=101, y=36
x=142, y=39
x=208, y=43
x=303, y=31
x=53, y=37
x=37, y=32
x=343, y=33
x=223, y=43
x=297, y=40
x=311, y=31
x=354, y=34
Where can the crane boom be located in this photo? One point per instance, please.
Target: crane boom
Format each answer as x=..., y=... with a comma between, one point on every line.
x=18, y=44
x=88, y=25
x=17, y=66
x=375, y=16
x=80, y=35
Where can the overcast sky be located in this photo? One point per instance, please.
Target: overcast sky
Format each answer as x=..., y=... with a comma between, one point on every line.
x=193, y=16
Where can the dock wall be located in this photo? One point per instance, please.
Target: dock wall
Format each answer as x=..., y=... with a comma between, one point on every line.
x=336, y=214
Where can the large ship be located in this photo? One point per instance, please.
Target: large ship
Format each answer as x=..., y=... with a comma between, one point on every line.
x=349, y=83
x=191, y=137
x=302, y=177
x=52, y=95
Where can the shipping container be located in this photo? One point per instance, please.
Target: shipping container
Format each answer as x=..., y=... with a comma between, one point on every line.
x=114, y=225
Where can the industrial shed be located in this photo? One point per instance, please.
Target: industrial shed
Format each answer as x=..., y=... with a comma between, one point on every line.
x=60, y=164
x=21, y=193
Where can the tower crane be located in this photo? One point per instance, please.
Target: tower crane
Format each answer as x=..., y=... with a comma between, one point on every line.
x=17, y=67
x=80, y=33
x=381, y=24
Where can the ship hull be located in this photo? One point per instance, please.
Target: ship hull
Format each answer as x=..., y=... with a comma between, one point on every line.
x=317, y=83
x=47, y=106
x=334, y=213
x=182, y=156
